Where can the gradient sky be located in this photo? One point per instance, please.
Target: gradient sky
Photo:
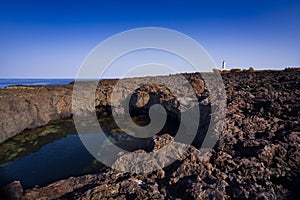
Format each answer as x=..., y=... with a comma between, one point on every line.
x=51, y=38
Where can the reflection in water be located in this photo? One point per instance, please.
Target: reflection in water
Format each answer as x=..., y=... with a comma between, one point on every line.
x=60, y=159
x=53, y=152
x=46, y=154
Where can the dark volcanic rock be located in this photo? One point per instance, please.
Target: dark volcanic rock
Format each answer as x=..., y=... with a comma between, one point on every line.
x=160, y=141
x=14, y=190
x=256, y=157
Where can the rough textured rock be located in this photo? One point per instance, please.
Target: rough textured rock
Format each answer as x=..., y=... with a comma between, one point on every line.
x=160, y=141
x=29, y=107
x=14, y=190
x=256, y=157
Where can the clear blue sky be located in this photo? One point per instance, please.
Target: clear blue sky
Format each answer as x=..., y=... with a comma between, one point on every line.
x=52, y=38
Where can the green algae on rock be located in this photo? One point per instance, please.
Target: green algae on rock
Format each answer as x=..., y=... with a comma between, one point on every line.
x=32, y=140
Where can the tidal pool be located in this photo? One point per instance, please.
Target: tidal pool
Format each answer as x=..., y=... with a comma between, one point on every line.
x=50, y=153
x=53, y=152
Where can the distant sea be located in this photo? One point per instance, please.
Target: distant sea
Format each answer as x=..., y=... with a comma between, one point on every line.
x=20, y=81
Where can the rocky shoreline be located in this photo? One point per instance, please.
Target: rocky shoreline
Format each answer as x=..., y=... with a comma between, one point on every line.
x=257, y=155
x=27, y=107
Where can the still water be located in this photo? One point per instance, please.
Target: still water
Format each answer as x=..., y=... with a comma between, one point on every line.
x=47, y=154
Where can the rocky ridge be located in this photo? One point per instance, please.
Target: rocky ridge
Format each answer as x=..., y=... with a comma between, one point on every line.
x=27, y=107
